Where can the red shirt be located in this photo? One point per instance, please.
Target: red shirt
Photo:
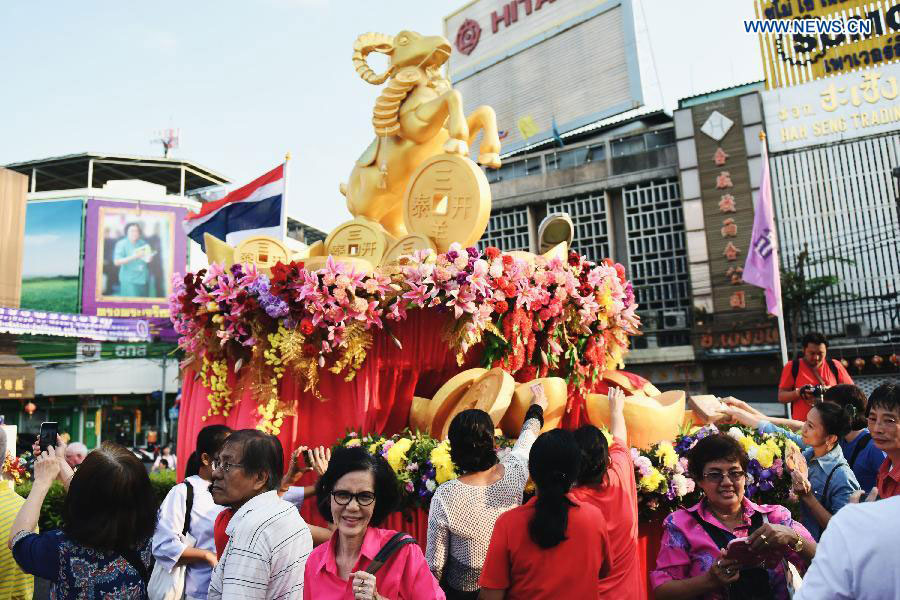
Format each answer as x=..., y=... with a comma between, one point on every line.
x=219, y=535
x=805, y=376
x=888, y=480
x=526, y=571
x=616, y=498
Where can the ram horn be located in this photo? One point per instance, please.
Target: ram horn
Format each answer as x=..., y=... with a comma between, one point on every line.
x=371, y=42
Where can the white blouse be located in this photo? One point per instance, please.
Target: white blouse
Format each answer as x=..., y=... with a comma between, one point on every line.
x=461, y=519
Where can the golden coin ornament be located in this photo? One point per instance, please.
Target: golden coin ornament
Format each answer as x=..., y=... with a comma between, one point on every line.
x=448, y=199
x=405, y=247
x=358, y=238
x=263, y=251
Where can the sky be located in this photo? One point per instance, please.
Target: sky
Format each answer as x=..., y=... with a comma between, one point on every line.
x=248, y=81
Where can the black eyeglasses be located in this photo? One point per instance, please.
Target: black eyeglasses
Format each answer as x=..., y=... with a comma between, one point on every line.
x=362, y=498
x=224, y=466
x=717, y=477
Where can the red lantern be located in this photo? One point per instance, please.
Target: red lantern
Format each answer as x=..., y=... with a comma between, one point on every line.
x=859, y=363
x=30, y=408
x=895, y=360
x=846, y=363
x=877, y=361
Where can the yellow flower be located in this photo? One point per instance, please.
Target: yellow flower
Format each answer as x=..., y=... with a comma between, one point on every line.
x=666, y=453
x=747, y=443
x=652, y=480
x=354, y=443
x=773, y=446
x=443, y=464
x=396, y=456
x=373, y=448
x=765, y=456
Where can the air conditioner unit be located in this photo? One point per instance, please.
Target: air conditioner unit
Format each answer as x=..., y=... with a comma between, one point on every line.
x=673, y=319
x=856, y=329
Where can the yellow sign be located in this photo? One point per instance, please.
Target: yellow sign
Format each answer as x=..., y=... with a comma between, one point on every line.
x=792, y=58
x=527, y=127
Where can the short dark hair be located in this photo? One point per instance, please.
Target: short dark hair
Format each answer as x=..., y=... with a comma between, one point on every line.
x=886, y=397
x=134, y=224
x=260, y=453
x=594, y=454
x=814, y=337
x=110, y=505
x=209, y=442
x=471, y=437
x=351, y=460
x=835, y=418
x=852, y=399
x=715, y=447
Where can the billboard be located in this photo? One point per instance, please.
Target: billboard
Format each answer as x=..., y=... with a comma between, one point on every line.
x=131, y=252
x=792, y=58
x=841, y=108
x=52, y=256
x=540, y=62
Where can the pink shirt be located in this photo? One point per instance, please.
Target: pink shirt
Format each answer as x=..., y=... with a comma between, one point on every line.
x=687, y=550
x=405, y=576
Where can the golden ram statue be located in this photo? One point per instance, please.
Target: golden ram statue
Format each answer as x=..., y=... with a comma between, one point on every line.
x=417, y=116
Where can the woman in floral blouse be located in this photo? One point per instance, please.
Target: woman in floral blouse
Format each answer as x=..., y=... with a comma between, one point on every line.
x=691, y=562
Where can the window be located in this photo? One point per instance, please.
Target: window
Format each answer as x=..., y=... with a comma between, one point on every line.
x=508, y=230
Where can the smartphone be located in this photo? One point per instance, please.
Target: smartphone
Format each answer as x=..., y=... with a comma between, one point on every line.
x=49, y=431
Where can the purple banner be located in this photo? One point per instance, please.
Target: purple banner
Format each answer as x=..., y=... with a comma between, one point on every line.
x=104, y=329
x=131, y=251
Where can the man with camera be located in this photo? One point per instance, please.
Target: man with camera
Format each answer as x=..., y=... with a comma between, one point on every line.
x=805, y=379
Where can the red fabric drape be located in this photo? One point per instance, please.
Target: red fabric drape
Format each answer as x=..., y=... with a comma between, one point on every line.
x=377, y=400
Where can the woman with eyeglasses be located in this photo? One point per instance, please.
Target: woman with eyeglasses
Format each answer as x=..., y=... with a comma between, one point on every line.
x=356, y=493
x=692, y=562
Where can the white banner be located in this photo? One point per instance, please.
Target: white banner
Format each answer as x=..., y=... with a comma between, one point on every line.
x=831, y=110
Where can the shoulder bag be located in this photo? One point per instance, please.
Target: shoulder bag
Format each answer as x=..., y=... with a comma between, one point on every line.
x=169, y=585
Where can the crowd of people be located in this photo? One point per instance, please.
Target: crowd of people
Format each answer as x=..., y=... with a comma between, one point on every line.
x=232, y=528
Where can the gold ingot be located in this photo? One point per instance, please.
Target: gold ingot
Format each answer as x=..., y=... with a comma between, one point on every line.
x=556, y=392
x=621, y=380
x=357, y=265
x=405, y=247
x=448, y=200
x=448, y=396
x=650, y=390
x=649, y=420
x=317, y=249
x=492, y=393
x=418, y=414
x=218, y=251
x=358, y=238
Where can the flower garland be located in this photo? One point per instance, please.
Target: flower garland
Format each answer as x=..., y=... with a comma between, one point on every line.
x=571, y=318
x=664, y=485
x=14, y=469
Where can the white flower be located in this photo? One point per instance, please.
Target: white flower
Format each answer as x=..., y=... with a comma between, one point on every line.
x=496, y=269
x=680, y=483
x=753, y=452
x=736, y=433
x=430, y=485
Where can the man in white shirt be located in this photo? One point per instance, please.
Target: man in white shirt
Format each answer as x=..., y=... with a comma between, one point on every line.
x=268, y=540
x=856, y=558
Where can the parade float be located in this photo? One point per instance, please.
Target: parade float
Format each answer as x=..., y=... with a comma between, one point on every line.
x=379, y=335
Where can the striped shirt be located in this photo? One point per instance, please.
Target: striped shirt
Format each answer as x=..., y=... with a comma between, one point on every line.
x=266, y=553
x=14, y=584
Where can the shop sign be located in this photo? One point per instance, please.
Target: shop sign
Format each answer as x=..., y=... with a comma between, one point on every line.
x=841, y=108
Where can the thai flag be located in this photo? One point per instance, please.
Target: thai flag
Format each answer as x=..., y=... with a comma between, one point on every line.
x=255, y=209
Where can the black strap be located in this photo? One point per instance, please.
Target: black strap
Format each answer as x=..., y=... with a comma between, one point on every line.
x=720, y=537
x=134, y=559
x=399, y=540
x=188, y=505
x=864, y=440
x=795, y=368
x=825, y=489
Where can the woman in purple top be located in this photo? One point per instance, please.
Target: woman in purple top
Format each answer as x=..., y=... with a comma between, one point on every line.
x=691, y=561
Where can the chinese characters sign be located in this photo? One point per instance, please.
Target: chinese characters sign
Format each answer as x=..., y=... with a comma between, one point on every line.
x=35, y=322
x=791, y=59
x=840, y=108
x=16, y=378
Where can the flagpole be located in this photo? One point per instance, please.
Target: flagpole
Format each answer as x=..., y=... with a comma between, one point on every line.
x=782, y=338
x=284, y=205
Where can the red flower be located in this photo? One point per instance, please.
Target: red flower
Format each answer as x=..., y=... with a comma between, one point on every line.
x=310, y=349
x=307, y=327
x=620, y=271
x=574, y=259
x=507, y=260
x=492, y=252
x=586, y=290
x=501, y=306
x=608, y=262
x=526, y=374
x=502, y=283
